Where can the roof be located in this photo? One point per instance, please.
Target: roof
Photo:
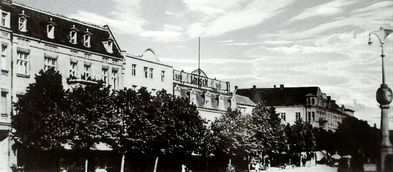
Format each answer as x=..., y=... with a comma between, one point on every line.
x=199, y=72
x=243, y=100
x=279, y=96
x=38, y=20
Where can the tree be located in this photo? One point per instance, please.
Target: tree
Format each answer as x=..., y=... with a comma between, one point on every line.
x=130, y=128
x=353, y=134
x=40, y=119
x=232, y=135
x=90, y=107
x=178, y=127
x=268, y=130
x=300, y=137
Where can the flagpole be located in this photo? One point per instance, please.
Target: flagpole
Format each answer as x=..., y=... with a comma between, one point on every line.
x=199, y=61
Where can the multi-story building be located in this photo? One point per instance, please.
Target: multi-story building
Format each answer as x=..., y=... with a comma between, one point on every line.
x=211, y=96
x=34, y=40
x=308, y=104
x=147, y=71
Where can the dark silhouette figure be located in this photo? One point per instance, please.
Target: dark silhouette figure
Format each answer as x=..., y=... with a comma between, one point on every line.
x=344, y=165
x=389, y=163
x=357, y=161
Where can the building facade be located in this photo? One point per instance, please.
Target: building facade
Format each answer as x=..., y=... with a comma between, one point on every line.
x=33, y=40
x=212, y=97
x=147, y=71
x=308, y=104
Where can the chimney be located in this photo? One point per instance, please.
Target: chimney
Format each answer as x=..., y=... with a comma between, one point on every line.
x=281, y=86
x=236, y=87
x=274, y=86
x=328, y=98
x=254, y=86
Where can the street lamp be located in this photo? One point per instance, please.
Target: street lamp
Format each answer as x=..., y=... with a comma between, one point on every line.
x=384, y=97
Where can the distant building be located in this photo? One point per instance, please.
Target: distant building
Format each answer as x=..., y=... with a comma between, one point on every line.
x=308, y=104
x=211, y=96
x=147, y=71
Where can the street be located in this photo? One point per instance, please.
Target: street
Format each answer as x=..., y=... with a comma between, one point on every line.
x=319, y=168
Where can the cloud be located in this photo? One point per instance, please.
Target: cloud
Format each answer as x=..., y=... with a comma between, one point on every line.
x=374, y=7
x=196, y=30
x=327, y=9
x=210, y=7
x=226, y=16
x=169, y=33
x=121, y=19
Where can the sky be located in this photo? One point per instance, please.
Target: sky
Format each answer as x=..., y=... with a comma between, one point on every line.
x=256, y=42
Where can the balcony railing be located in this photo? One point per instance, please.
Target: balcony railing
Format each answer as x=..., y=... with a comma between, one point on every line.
x=200, y=81
x=85, y=78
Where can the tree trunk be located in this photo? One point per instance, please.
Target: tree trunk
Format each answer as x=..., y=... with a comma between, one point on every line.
x=155, y=165
x=86, y=165
x=123, y=157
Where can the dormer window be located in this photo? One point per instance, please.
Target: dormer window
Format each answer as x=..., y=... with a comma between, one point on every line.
x=5, y=19
x=50, y=29
x=108, y=46
x=86, y=38
x=22, y=22
x=73, y=35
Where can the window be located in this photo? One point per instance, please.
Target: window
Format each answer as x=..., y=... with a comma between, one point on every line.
x=73, y=37
x=73, y=69
x=3, y=57
x=108, y=46
x=114, y=79
x=22, y=23
x=162, y=75
x=4, y=110
x=50, y=63
x=105, y=77
x=145, y=70
x=86, y=73
x=50, y=30
x=309, y=117
x=133, y=69
x=298, y=116
x=86, y=41
x=283, y=116
x=5, y=19
x=86, y=38
x=313, y=116
x=151, y=72
x=22, y=62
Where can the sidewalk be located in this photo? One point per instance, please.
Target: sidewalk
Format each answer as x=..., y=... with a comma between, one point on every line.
x=320, y=168
x=317, y=168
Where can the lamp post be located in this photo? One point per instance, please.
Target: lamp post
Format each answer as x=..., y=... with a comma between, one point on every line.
x=384, y=97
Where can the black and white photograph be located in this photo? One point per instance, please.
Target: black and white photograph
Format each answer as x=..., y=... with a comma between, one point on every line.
x=196, y=85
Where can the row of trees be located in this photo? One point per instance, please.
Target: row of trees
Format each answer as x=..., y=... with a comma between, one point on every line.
x=261, y=134
x=51, y=118
x=135, y=122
